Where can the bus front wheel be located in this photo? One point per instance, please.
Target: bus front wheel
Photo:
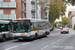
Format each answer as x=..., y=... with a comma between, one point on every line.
x=4, y=38
x=45, y=34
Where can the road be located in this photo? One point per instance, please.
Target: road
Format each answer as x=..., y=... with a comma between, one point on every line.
x=54, y=41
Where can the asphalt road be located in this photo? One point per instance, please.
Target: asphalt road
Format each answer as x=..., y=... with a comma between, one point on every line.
x=54, y=41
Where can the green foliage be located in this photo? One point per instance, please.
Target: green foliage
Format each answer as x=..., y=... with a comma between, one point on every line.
x=55, y=23
x=64, y=20
x=70, y=1
x=60, y=22
x=56, y=8
x=74, y=28
x=54, y=12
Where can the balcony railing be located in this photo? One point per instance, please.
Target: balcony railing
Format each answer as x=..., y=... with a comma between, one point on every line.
x=33, y=11
x=7, y=4
x=7, y=16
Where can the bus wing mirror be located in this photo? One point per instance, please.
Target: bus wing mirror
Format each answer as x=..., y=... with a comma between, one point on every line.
x=30, y=23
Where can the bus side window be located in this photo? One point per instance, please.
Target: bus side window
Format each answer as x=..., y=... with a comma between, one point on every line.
x=0, y=28
x=32, y=27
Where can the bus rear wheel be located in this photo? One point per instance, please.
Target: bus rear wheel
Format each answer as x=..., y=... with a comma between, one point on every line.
x=36, y=36
x=45, y=34
x=4, y=39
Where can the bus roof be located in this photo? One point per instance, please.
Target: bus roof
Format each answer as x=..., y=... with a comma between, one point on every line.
x=4, y=21
x=33, y=19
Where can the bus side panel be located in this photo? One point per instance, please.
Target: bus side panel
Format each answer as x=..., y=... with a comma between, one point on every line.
x=41, y=28
x=6, y=33
x=33, y=34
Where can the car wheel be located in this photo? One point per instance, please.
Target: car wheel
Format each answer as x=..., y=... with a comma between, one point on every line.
x=19, y=40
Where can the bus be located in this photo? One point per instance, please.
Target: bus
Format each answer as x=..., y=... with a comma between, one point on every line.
x=29, y=28
x=4, y=30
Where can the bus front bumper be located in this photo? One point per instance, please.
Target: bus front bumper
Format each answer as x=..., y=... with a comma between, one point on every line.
x=21, y=37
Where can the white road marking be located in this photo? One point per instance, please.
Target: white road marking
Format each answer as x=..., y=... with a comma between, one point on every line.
x=63, y=38
x=26, y=43
x=57, y=40
x=52, y=43
x=44, y=47
x=11, y=47
x=35, y=40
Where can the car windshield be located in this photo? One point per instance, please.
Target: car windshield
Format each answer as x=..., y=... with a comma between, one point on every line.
x=21, y=26
x=64, y=29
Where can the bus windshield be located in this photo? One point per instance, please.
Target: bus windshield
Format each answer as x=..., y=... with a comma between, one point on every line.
x=21, y=27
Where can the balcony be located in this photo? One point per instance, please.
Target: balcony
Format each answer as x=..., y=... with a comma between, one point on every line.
x=32, y=2
x=7, y=4
x=7, y=16
x=33, y=11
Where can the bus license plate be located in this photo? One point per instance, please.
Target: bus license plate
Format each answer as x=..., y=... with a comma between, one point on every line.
x=20, y=38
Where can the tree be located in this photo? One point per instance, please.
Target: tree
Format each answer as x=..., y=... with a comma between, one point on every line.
x=56, y=8
x=70, y=2
x=64, y=20
x=62, y=6
x=60, y=22
x=54, y=12
x=55, y=23
x=43, y=8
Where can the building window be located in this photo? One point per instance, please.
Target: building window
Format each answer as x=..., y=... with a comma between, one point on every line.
x=12, y=0
x=33, y=16
x=12, y=11
x=1, y=11
x=1, y=0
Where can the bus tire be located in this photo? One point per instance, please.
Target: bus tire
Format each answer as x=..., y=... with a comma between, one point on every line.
x=19, y=40
x=4, y=38
x=36, y=36
x=45, y=34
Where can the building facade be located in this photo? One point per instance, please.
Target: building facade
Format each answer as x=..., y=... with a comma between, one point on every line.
x=12, y=9
x=73, y=22
x=32, y=9
x=16, y=9
x=71, y=14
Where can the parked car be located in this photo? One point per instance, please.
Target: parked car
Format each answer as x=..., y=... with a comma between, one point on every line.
x=59, y=27
x=64, y=30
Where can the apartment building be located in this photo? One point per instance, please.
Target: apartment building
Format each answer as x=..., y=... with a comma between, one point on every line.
x=16, y=9
x=12, y=9
x=45, y=13
x=73, y=22
x=71, y=14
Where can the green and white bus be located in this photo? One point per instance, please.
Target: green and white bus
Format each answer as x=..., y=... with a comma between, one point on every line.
x=29, y=28
x=4, y=30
